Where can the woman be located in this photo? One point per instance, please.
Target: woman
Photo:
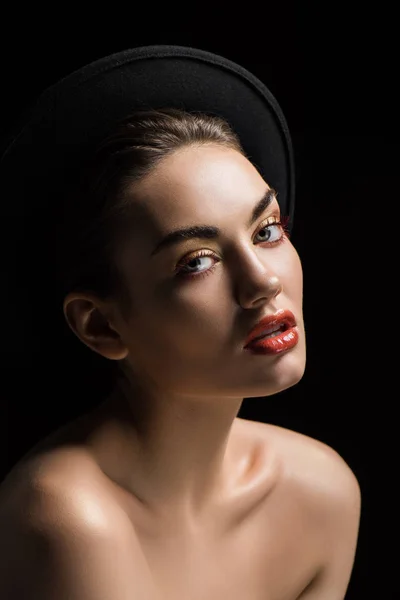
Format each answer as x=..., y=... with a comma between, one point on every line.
x=180, y=274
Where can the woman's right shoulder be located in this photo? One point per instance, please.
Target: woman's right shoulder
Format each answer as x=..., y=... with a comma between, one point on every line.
x=65, y=481
x=52, y=505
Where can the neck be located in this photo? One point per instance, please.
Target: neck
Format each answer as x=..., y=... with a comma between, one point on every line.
x=172, y=452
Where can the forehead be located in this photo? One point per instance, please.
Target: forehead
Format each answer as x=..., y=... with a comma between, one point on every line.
x=197, y=182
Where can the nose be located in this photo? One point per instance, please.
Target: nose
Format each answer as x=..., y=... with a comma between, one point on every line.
x=257, y=283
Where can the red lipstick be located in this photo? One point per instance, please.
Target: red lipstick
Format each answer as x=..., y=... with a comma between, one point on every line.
x=284, y=322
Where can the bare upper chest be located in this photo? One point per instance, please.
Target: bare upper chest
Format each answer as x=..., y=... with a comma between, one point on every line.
x=268, y=556
x=257, y=546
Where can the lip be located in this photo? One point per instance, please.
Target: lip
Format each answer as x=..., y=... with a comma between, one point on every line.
x=269, y=323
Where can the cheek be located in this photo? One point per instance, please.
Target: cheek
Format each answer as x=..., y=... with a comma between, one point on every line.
x=291, y=272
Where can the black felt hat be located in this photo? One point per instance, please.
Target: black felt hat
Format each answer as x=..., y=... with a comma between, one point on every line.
x=72, y=116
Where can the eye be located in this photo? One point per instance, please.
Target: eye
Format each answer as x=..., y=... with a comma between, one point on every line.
x=276, y=233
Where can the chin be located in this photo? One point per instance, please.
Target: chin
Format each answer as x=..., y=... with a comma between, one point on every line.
x=281, y=374
x=289, y=371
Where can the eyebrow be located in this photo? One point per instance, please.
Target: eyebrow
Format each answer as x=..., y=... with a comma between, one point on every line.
x=209, y=231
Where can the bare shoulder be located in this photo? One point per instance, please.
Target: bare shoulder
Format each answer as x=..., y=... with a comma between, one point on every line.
x=316, y=466
x=321, y=483
x=65, y=478
x=60, y=506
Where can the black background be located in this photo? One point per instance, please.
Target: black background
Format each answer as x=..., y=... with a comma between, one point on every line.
x=334, y=73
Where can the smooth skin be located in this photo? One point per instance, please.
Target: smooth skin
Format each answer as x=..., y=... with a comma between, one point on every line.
x=163, y=492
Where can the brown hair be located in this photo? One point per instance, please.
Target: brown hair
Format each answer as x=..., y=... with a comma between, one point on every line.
x=94, y=214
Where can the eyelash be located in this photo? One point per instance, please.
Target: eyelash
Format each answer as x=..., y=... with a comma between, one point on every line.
x=282, y=223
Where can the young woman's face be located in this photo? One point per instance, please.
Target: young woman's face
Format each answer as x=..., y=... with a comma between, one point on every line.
x=195, y=299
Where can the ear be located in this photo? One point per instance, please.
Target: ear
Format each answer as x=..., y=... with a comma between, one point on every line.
x=91, y=321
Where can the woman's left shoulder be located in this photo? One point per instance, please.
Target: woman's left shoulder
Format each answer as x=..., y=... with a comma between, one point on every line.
x=317, y=476
x=309, y=460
